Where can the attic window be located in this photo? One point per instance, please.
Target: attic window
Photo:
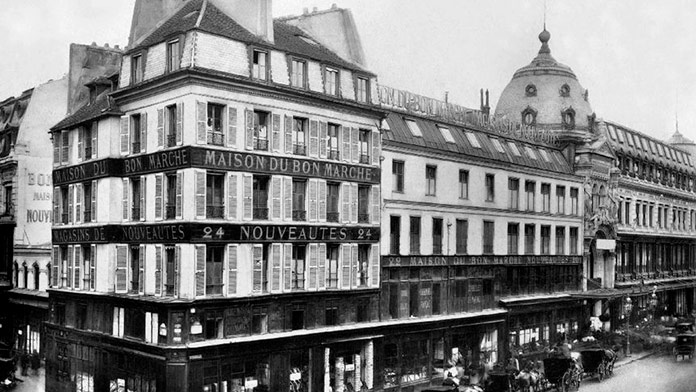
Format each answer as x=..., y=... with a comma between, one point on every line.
x=644, y=143
x=530, y=90
x=660, y=150
x=472, y=139
x=568, y=117
x=514, y=149
x=565, y=91
x=612, y=131
x=652, y=147
x=497, y=145
x=545, y=155
x=529, y=116
x=308, y=40
x=621, y=135
x=446, y=133
x=629, y=138
x=530, y=152
x=679, y=156
x=414, y=128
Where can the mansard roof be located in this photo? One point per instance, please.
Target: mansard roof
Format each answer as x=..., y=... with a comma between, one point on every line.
x=104, y=105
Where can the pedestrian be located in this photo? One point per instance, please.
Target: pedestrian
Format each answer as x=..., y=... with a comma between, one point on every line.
x=35, y=362
x=24, y=363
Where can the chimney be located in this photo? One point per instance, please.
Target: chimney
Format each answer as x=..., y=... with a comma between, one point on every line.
x=147, y=14
x=254, y=15
x=446, y=96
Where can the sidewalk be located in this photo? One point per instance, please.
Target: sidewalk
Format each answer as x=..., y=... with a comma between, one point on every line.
x=32, y=382
x=623, y=360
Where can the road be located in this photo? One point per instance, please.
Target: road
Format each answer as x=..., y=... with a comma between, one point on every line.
x=651, y=374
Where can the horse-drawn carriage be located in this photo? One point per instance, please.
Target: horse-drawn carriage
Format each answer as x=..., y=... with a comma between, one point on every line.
x=597, y=362
x=684, y=346
x=561, y=373
x=499, y=381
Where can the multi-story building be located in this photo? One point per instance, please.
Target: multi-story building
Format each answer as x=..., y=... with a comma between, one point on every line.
x=217, y=216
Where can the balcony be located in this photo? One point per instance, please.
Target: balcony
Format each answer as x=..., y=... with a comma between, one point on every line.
x=261, y=144
x=334, y=154
x=170, y=212
x=365, y=158
x=299, y=215
x=135, y=147
x=216, y=138
x=299, y=149
x=215, y=211
x=261, y=213
x=332, y=216
x=87, y=215
x=135, y=213
x=88, y=152
x=363, y=218
x=171, y=140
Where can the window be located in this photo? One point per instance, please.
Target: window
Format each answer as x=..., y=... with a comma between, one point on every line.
x=118, y=320
x=173, y=55
x=213, y=325
x=89, y=261
x=565, y=91
x=214, y=256
x=332, y=198
x=87, y=137
x=259, y=69
x=297, y=319
x=530, y=90
x=259, y=321
x=446, y=133
x=35, y=274
x=413, y=127
x=545, y=155
x=260, y=197
x=398, y=175
x=137, y=185
x=299, y=190
x=437, y=236
x=363, y=264
x=574, y=206
x=430, y=180
x=462, y=236
x=261, y=131
x=490, y=187
x=333, y=142
x=363, y=204
x=513, y=238
x=331, y=314
x=137, y=69
x=560, y=240
x=395, y=229
x=545, y=240
x=299, y=136
x=134, y=325
x=530, y=152
x=214, y=126
x=214, y=196
x=171, y=271
x=362, y=90
x=463, y=184
x=545, y=197
x=560, y=199
x=514, y=149
x=413, y=299
x=497, y=145
x=364, y=146
x=331, y=81
x=171, y=125
x=136, y=269
x=298, y=266
x=298, y=75
x=488, y=236
x=260, y=269
x=173, y=187
x=332, y=266
x=473, y=139
x=529, y=239
x=573, y=240
x=415, y=229
x=569, y=119
x=514, y=187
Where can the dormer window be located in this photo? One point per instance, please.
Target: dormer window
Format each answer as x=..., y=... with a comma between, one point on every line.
x=298, y=76
x=565, y=91
x=331, y=81
x=137, y=68
x=530, y=90
x=529, y=117
x=568, y=117
x=362, y=89
x=259, y=68
x=173, y=55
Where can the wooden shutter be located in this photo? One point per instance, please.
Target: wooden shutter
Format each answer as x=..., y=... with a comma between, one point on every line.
x=232, y=195
x=95, y=139
x=374, y=265
x=143, y=198
x=56, y=205
x=288, y=135
x=159, y=195
x=80, y=143
x=92, y=267
x=200, y=193
x=179, y=194
x=376, y=147
x=249, y=139
x=177, y=268
x=160, y=127
x=277, y=134
x=143, y=132
x=201, y=122
x=125, y=135
x=77, y=277
x=323, y=138
x=287, y=267
x=179, y=122
x=125, y=196
x=287, y=198
x=345, y=266
x=158, y=269
x=276, y=202
x=313, y=261
x=247, y=196
x=321, y=195
x=141, y=269
x=355, y=145
x=345, y=153
x=71, y=203
x=56, y=267
x=345, y=202
x=354, y=203
x=257, y=277
x=313, y=138
x=56, y=147
x=121, y=268
x=276, y=267
x=79, y=195
x=376, y=204
x=231, y=127
x=200, y=270
x=94, y=201
x=312, y=200
x=232, y=269
x=321, y=266
x=354, y=266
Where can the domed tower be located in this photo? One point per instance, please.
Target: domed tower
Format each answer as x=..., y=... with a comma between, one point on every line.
x=683, y=143
x=547, y=95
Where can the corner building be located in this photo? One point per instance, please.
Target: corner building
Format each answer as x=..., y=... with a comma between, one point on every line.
x=232, y=183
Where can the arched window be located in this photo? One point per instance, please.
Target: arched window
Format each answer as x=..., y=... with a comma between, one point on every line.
x=530, y=90
x=25, y=270
x=565, y=90
x=568, y=118
x=36, y=276
x=15, y=278
x=529, y=117
x=595, y=197
x=602, y=195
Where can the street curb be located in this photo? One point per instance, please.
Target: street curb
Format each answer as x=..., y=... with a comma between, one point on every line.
x=618, y=365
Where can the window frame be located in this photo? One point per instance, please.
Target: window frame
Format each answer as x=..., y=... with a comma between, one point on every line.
x=294, y=62
x=431, y=182
x=170, y=61
x=137, y=71
x=256, y=68
x=398, y=178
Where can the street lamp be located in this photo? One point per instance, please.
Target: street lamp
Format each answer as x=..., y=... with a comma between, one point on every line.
x=628, y=306
x=653, y=302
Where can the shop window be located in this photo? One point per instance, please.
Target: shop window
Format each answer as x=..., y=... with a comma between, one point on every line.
x=414, y=361
x=436, y=297
x=394, y=300
x=80, y=316
x=415, y=228
x=398, y=176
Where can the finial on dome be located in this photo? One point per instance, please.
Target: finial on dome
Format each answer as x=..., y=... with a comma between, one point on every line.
x=544, y=37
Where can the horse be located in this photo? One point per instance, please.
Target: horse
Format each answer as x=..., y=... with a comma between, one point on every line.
x=528, y=380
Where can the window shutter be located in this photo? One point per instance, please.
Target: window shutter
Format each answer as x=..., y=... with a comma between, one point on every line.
x=276, y=204
x=355, y=145
x=232, y=195
x=92, y=267
x=354, y=266
x=148, y=327
x=200, y=194
x=345, y=202
x=249, y=116
x=232, y=269
x=231, y=127
x=125, y=134
x=94, y=201
x=56, y=147
x=80, y=143
x=322, y=200
x=121, y=268
x=56, y=266
x=376, y=204
x=158, y=269
x=179, y=122
x=374, y=265
x=177, y=267
x=79, y=194
x=313, y=249
x=345, y=153
x=312, y=200
x=200, y=270
x=354, y=203
x=159, y=193
x=321, y=268
x=77, y=278
x=160, y=127
x=201, y=122
x=287, y=198
x=141, y=269
x=179, y=194
x=313, y=138
x=288, y=135
x=143, y=199
x=323, y=138
x=276, y=268
x=56, y=205
x=376, y=147
x=143, y=132
x=95, y=138
x=247, y=196
x=86, y=272
x=125, y=203
x=277, y=135
x=287, y=267
x=71, y=203
x=257, y=277
x=345, y=266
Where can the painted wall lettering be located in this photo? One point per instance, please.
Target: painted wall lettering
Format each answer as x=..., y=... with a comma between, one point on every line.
x=39, y=216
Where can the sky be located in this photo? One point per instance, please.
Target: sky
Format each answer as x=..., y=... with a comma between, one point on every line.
x=637, y=58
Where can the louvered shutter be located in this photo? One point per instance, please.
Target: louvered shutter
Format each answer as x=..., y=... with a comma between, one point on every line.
x=288, y=135
x=321, y=195
x=87, y=271
x=141, y=269
x=355, y=144
x=345, y=266
x=56, y=267
x=354, y=266
x=200, y=194
x=247, y=196
x=249, y=139
x=313, y=261
x=232, y=269
x=160, y=127
x=80, y=144
x=231, y=127
x=121, y=275
x=71, y=203
x=179, y=194
x=323, y=138
x=159, y=195
x=79, y=195
x=158, y=269
x=277, y=134
x=287, y=267
x=257, y=277
x=143, y=198
x=321, y=266
x=200, y=270
x=77, y=267
x=276, y=267
x=312, y=199
x=56, y=205
x=276, y=202
x=95, y=139
x=374, y=265
x=376, y=204
x=56, y=148
x=345, y=153
x=201, y=122
x=345, y=202
x=314, y=138
x=125, y=135
x=92, y=267
x=354, y=203
x=94, y=201
x=143, y=132
x=376, y=147
x=287, y=198
x=177, y=268
x=179, y=122
x=232, y=195
x=125, y=202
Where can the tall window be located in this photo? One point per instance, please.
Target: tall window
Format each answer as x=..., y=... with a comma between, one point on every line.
x=560, y=240
x=332, y=266
x=332, y=198
x=171, y=125
x=529, y=239
x=298, y=266
x=299, y=136
x=260, y=269
x=513, y=235
x=395, y=233
x=529, y=189
x=333, y=142
x=430, y=180
x=259, y=70
x=545, y=240
x=137, y=69
x=463, y=184
x=462, y=236
x=89, y=136
x=362, y=90
x=136, y=191
x=488, y=236
x=415, y=232
x=214, y=199
x=574, y=206
x=363, y=264
x=490, y=187
x=365, y=146
x=437, y=236
x=299, y=189
x=514, y=187
x=573, y=240
x=171, y=191
x=560, y=199
x=260, y=131
x=215, y=135
x=545, y=197
x=173, y=55
x=135, y=270
x=213, y=269
x=398, y=175
x=331, y=81
x=298, y=75
x=170, y=272
x=260, y=197
x=363, y=204
x=135, y=133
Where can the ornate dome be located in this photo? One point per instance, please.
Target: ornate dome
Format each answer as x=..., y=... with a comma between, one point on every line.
x=545, y=94
x=678, y=139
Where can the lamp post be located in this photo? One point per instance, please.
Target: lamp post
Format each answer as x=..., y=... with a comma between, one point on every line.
x=628, y=306
x=653, y=302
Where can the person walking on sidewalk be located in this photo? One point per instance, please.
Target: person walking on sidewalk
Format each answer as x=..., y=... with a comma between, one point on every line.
x=35, y=362
x=24, y=363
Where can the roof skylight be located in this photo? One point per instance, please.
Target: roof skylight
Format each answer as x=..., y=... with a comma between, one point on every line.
x=446, y=133
x=497, y=145
x=472, y=139
x=514, y=149
x=414, y=128
x=530, y=152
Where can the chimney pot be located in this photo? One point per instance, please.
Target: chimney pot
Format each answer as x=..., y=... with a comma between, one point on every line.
x=106, y=45
x=334, y=6
x=315, y=9
x=305, y=11
x=116, y=47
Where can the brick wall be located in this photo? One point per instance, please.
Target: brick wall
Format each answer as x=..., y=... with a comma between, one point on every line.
x=347, y=87
x=316, y=82
x=221, y=54
x=279, y=68
x=155, y=61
